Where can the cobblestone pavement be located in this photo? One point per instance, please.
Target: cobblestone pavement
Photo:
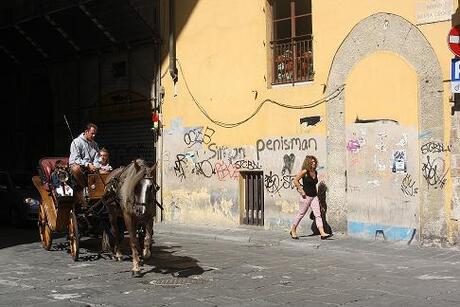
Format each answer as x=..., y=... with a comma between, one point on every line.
x=205, y=266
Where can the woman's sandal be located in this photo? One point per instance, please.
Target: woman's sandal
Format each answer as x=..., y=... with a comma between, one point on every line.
x=295, y=238
x=326, y=237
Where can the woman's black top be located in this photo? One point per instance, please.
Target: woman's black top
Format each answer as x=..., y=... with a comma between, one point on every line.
x=309, y=184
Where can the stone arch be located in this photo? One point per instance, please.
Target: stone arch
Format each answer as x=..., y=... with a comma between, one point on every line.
x=387, y=32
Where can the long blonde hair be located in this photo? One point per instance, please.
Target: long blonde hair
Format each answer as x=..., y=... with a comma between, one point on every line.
x=306, y=165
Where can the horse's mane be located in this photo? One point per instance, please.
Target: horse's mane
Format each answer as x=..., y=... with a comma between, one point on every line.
x=129, y=179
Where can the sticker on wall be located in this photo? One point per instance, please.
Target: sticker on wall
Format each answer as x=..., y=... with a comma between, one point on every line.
x=353, y=146
x=399, y=161
x=356, y=143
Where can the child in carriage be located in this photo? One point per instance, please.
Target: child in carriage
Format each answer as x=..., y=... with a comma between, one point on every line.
x=104, y=161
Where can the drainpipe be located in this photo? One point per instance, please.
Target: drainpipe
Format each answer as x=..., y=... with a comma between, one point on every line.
x=172, y=42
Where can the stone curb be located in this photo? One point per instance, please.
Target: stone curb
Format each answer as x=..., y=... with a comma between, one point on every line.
x=270, y=237
x=242, y=235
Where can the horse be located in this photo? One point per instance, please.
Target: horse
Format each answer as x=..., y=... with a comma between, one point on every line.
x=130, y=193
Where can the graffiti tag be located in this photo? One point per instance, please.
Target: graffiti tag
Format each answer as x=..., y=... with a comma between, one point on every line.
x=434, y=147
x=408, y=186
x=223, y=152
x=283, y=144
x=288, y=163
x=248, y=165
x=180, y=166
x=224, y=171
x=274, y=182
x=184, y=165
x=198, y=136
x=434, y=172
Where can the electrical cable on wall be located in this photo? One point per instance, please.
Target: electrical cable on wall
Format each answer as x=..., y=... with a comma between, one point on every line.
x=164, y=74
x=334, y=94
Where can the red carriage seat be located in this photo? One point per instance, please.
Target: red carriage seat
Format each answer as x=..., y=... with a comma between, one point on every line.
x=47, y=166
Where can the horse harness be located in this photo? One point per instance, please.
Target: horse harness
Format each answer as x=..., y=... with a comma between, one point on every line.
x=111, y=197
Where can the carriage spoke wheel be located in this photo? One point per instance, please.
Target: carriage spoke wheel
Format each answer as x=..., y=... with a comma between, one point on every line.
x=44, y=229
x=74, y=236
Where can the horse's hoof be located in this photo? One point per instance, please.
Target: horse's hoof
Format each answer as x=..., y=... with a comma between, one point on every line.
x=119, y=258
x=146, y=255
x=136, y=274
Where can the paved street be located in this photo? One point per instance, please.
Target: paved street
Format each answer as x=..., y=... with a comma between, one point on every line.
x=199, y=266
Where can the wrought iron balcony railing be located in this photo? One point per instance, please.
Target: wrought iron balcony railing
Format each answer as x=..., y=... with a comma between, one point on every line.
x=293, y=61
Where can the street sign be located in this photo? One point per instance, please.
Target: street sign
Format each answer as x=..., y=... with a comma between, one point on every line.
x=453, y=40
x=455, y=76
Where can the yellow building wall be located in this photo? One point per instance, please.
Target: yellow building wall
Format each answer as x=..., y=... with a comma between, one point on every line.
x=222, y=49
x=224, y=60
x=382, y=86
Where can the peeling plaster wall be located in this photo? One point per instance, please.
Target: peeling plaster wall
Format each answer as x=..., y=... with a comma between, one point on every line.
x=194, y=191
x=201, y=178
x=280, y=168
x=215, y=86
x=389, y=32
x=382, y=180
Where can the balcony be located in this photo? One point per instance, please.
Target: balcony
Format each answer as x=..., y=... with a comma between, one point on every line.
x=293, y=61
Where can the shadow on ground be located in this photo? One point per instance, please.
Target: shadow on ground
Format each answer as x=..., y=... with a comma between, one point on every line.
x=165, y=261
x=12, y=236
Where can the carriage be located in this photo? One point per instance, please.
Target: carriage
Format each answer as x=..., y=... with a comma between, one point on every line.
x=127, y=193
x=59, y=209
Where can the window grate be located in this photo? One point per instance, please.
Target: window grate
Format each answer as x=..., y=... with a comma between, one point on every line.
x=293, y=62
x=253, y=211
x=291, y=41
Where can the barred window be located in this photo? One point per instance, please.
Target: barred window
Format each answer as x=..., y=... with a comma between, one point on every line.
x=292, y=41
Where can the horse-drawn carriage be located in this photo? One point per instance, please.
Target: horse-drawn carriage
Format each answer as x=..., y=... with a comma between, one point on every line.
x=127, y=193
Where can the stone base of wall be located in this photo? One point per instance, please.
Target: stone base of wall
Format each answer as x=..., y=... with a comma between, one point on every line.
x=455, y=175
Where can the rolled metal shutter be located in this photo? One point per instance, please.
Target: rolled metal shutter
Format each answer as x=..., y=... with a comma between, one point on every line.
x=127, y=140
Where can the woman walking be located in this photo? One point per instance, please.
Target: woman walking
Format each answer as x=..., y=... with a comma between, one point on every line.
x=309, y=196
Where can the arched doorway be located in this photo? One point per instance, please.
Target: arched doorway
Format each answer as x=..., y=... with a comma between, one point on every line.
x=381, y=135
x=384, y=32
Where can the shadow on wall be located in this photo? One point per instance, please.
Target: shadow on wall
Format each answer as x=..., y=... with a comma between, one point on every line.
x=183, y=10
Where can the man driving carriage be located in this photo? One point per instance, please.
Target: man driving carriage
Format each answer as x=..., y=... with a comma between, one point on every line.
x=84, y=158
x=131, y=198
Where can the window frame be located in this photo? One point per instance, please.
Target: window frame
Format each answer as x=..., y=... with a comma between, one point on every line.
x=295, y=63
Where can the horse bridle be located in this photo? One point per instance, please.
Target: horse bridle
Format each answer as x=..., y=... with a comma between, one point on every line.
x=116, y=179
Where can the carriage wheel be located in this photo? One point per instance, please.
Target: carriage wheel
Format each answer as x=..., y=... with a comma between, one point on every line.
x=74, y=236
x=44, y=229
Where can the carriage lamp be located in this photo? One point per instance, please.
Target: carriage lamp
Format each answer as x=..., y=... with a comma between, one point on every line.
x=31, y=201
